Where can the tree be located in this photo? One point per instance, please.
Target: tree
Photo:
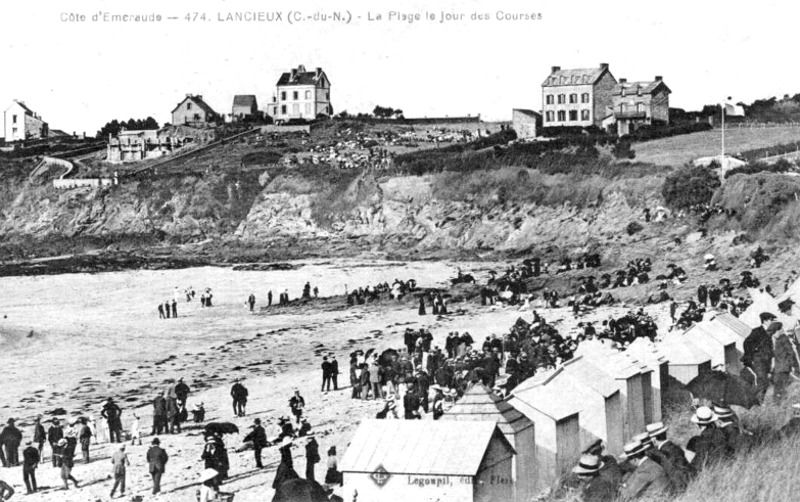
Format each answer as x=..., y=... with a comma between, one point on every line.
x=383, y=112
x=115, y=126
x=690, y=186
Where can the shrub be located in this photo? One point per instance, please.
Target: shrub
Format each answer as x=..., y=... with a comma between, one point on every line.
x=651, y=132
x=780, y=166
x=623, y=150
x=634, y=228
x=689, y=186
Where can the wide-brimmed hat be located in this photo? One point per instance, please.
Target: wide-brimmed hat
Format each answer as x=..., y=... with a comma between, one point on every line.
x=722, y=411
x=634, y=448
x=656, y=429
x=11, y=421
x=588, y=464
x=704, y=416
x=766, y=316
x=156, y=441
x=785, y=304
x=208, y=474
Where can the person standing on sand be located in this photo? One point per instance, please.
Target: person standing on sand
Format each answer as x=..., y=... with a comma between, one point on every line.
x=120, y=462
x=297, y=404
x=85, y=438
x=758, y=354
x=67, y=451
x=166, y=308
x=174, y=309
x=326, y=374
x=54, y=434
x=312, y=456
x=182, y=391
x=334, y=371
x=421, y=306
x=157, y=460
x=239, y=395
x=10, y=439
x=159, y=414
x=39, y=435
x=259, y=438
x=113, y=413
x=136, y=434
x=161, y=311
x=285, y=470
x=251, y=300
x=269, y=299
x=30, y=461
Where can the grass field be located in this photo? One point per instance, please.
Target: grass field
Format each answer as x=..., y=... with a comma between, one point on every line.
x=678, y=150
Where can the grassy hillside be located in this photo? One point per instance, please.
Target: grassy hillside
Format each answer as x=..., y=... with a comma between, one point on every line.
x=678, y=150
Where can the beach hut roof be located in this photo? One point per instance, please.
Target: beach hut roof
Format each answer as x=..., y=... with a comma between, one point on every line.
x=682, y=351
x=590, y=375
x=615, y=363
x=647, y=351
x=546, y=395
x=479, y=403
x=420, y=447
x=714, y=330
x=733, y=324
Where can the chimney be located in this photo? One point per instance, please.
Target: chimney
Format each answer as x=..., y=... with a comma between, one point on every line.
x=293, y=75
x=554, y=69
x=623, y=81
x=604, y=66
x=318, y=72
x=659, y=78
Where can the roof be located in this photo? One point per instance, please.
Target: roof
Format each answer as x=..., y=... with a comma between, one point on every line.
x=197, y=100
x=247, y=100
x=645, y=87
x=431, y=447
x=591, y=376
x=712, y=328
x=733, y=324
x=529, y=113
x=299, y=76
x=614, y=363
x=479, y=403
x=22, y=105
x=545, y=393
x=647, y=351
x=578, y=76
x=681, y=351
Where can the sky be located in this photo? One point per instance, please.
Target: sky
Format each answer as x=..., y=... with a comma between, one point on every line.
x=78, y=75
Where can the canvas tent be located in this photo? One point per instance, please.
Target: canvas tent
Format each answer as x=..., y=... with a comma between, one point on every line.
x=479, y=404
x=427, y=460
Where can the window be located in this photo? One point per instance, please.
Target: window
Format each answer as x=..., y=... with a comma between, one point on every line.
x=585, y=97
x=308, y=94
x=14, y=119
x=295, y=109
x=562, y=98
x=327, y=96
x=639, y=107
x=573, y=98
x=197, y=117
x=622, y=107
x=562, y=116
x=283, y=109
x=283, y=96
x=295, y=95
x=585, y=115
x=549, y=116
x=549, y=99
x=188, y=106
x=573, y=115
x=308, y=109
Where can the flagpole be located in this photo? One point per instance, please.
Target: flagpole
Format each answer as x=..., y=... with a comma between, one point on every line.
x=722, y=156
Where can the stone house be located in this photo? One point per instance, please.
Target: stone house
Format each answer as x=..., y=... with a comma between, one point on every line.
x=193, y=110
x=526, y=123
x=577, y=97
x=245, y=107
x=301, y=94
x=640, y=103
x=21, y=123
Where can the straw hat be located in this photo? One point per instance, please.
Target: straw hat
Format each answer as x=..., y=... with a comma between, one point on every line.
x=722, y=411
x=588, y=464
x=208, y=474
x=642, y=437
x=704, y=416
x=633, y=449
x=656, y=429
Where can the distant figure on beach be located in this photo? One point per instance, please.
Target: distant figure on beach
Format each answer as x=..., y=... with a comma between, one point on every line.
x=54, y=434
x=297, y=404
x=251, y=300
x=85, y=439
x=208, y=297
x=120, y=462
x=334, y=371
x=10, y=439
x=269, y=298
x=239, y=395
x=30, y=461
x=157, y=459
x=112, y=413
x=326, y=374
x=39, y=435
x=161, y=311
x=174, y=308
x=316, y=292
x=166, y=308
x=421, y=306
x=202, y=299
x=307, y=290
x=159, y=414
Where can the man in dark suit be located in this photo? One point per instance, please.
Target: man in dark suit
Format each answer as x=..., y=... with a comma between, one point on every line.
x=259, y=438
x=675, y=464
x=53, y=435
x=30, y=461
x=758, y=354
x=334, y=371
x=326, y=374
x=648, y=480
x=157, y=460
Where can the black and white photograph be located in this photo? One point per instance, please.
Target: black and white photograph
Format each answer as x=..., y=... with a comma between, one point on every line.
x=399, y=251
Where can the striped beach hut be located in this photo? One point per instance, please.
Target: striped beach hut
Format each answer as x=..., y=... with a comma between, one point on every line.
x=686, y=360
x=648, y=353
x=545, y=401
x=479, y=404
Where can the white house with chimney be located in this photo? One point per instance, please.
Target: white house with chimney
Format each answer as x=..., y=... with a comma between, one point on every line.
x=21, y=123
x=301, y=94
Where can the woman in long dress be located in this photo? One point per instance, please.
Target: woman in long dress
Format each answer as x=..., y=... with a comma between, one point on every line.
x=333, y=476
x=285, y=470
x=421, y=306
